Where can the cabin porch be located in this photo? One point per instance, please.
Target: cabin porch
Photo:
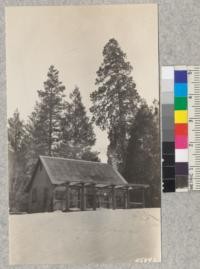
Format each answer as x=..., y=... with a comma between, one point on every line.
x=75, y=196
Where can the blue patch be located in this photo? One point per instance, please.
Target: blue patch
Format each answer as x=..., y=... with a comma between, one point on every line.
x=180, y=76
x=180, y=90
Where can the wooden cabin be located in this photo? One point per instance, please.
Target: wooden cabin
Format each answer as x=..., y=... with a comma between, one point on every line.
x=69, y=185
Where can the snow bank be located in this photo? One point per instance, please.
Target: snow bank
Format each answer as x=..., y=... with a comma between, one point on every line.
x=102, y=236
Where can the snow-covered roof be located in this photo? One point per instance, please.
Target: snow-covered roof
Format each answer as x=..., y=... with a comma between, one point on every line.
x=62, y=170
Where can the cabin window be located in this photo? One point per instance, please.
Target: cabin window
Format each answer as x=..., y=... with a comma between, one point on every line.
x=59, y=195
x=34, y=195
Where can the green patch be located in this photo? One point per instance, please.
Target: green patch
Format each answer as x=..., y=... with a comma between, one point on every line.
x=180, y=103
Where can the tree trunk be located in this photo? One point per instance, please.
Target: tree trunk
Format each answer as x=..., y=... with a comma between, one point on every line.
x=50, y=125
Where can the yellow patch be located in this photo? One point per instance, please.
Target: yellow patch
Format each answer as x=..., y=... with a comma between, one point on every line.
x=181, y=116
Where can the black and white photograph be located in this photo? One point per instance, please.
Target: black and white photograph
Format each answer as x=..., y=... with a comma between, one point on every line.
x=83, y=134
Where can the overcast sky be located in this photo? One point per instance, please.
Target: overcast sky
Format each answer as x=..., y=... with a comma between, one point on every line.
x=72, y=39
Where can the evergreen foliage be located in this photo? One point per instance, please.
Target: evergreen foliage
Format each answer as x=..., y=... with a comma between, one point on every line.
x=48, y=112
x=115, y=101
x=143, y=152
x=17, y=151
x=77, y=131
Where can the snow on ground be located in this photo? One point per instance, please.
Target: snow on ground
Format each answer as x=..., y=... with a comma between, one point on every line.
x=102, y=236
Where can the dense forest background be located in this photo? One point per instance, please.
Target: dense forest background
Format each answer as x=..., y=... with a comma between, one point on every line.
x=57, y=127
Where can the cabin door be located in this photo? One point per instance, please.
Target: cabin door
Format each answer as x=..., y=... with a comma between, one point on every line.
x=59, y=198
x=104, y=199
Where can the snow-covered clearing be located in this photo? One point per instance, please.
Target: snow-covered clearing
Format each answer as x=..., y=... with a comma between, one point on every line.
x=101, y=236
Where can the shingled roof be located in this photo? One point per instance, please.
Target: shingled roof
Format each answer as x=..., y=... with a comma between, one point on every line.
x=61, y=170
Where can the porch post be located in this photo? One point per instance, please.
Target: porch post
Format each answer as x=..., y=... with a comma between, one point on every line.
x=126, y=198
x=67, y=196
x=83, y=204
x=94, y=197
x=113, y=197
x=143, y=196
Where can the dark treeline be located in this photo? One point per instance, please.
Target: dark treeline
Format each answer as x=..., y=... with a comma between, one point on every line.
x=57, y=127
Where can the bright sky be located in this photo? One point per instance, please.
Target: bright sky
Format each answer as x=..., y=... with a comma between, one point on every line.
x=72, y=39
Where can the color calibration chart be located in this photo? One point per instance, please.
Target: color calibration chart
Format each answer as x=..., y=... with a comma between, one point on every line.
x=180, y=113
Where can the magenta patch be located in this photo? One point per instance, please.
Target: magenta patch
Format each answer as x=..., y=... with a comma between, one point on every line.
x=181, y=142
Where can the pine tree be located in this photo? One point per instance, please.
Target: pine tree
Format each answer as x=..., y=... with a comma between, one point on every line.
x=115, y=101
x=143, y=157
x=16, y=132
x=36, y=132
x=16, y=161
x=44, y=123
x=48, y=112
x=77, y=131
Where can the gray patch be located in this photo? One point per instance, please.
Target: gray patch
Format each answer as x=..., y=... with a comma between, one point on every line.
x=167, y=97
x=168, y=135
x=167, y=110
x=167, y=85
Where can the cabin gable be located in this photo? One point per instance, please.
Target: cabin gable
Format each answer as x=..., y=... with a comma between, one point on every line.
x=41, y=191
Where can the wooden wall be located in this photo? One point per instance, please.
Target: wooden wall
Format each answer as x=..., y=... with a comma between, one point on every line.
x=43, y=189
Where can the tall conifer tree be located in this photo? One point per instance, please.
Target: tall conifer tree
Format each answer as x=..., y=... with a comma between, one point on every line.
x=77, y=131
x=16, y=132
x=44, y=122
x=115, y=101
x=143, y=152
x=17, y=148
